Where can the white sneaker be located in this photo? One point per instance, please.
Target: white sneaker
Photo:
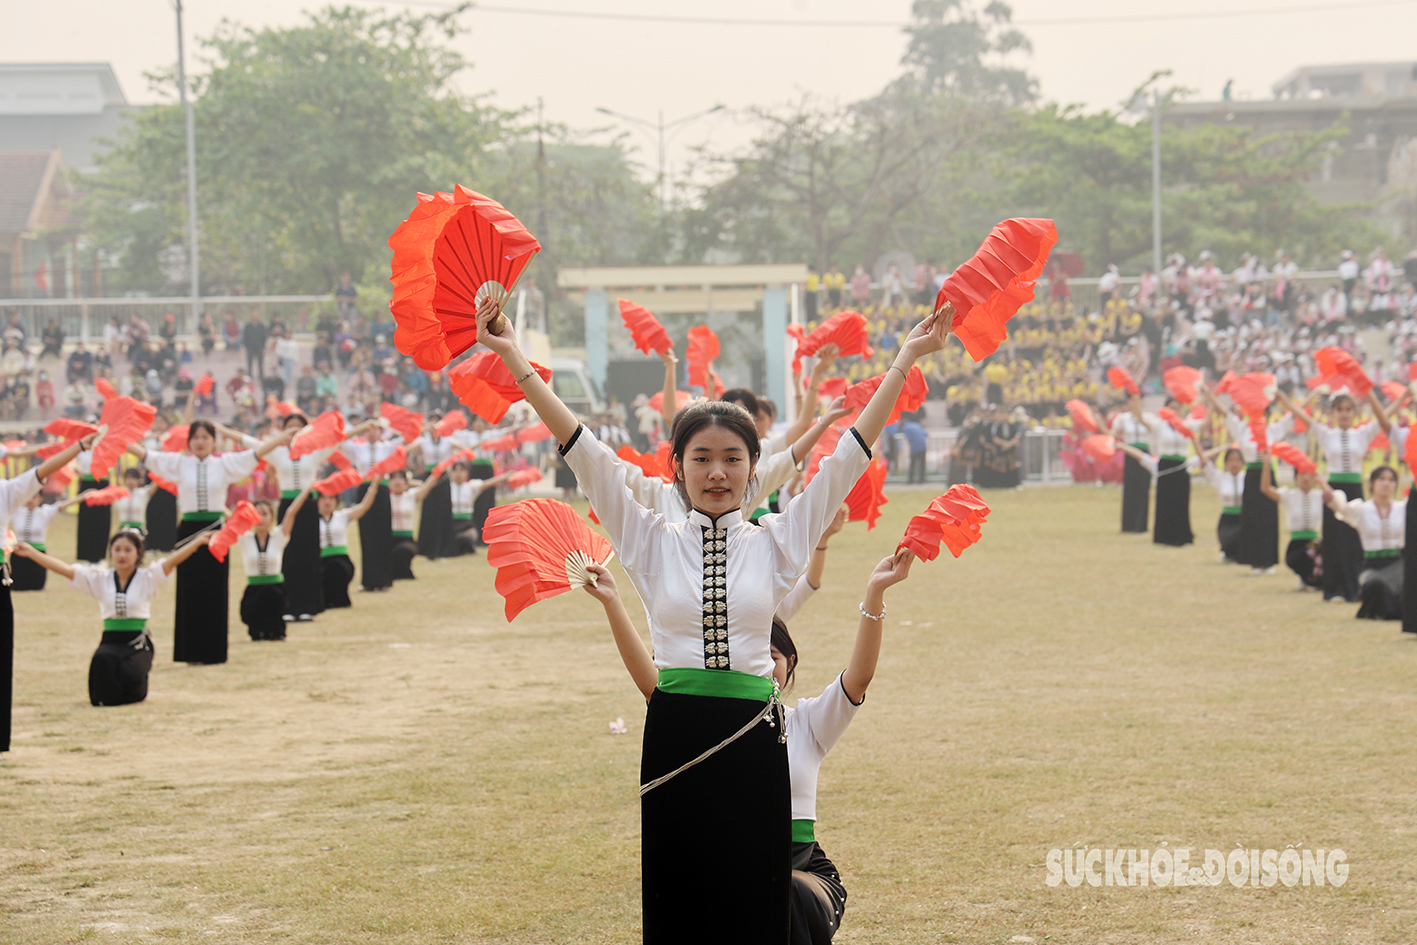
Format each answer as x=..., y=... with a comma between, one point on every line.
x=1221, y=559
x=1299, y=584
x=1256, y=572
x=1271, y=569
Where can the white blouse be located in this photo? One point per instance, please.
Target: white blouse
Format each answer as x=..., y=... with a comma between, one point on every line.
x=404, y=509
x=84, y=462
x=1171, y=442
x=1344, y=449
x=1378, y=532
x=135, y=602
x=260, y=561
x=135, y=507
x=1240, y=432
x=813, y=727
x=14, y=493
x=710, y=587
x=334, y=531
x=434, y=453
x=1135, y=431
x=293, y=475
x=801, y=593
x=32, y=525
x=202, y=483
x=465, y=494
x=1303, y=511
x=1231, y=486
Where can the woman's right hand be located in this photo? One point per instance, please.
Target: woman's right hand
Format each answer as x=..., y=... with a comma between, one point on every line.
x=604, y=589
x=668, y=356
x=504, y=344
x=24, y=550
x=891, y=570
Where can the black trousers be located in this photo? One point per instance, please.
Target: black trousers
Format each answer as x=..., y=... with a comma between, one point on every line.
x=1227, y=532
x=7, y=664
x=1173, y=504
x=199, y=624
x=818, y=897
x=118, y=672
x=1259, y=525
x=740, y=800
x=1136, y=496
x=1343, y=549
x=1380, y=589
x=304, y=582
x=917, y=466
x=435, y=521
x=1298, y=560
x=1409, y=571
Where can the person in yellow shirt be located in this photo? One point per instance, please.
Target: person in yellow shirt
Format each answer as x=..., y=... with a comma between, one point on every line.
x=833, y=280
x=813, y=287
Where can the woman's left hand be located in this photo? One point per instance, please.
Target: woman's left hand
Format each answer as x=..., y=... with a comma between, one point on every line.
x=604, y=589
x=892, y=570
x=931, y=334
x=835, y=411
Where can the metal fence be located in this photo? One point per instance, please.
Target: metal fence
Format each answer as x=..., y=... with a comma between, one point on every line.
x=1040, y=451
x=84, y=319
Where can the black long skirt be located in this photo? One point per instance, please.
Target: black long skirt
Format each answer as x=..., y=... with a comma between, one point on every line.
x=376, y=542
x=1227, y=532
x=27, y=575
x=435, y=522
x=336, y=572
x=1409, y=570
x=486, y=499
x=1380, y=589
x=161, y=521
x=94, y=524
x=402, y=558
x=464, y=541
x=262, y=611
x=118, y=672
x=1173, y=504
x=7, y=664
x=304, y=587
x=1259, y=525
x=818, y=897
x=1343, y=549
x=738, y=803
x=1299, y=560
x=199, y=624
x=1136, y=496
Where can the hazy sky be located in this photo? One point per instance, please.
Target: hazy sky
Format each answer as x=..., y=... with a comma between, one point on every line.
x=639, y=68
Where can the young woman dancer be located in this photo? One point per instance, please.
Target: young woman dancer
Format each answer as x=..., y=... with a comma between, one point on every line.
x=1344, y=443
x=118, y=672
x=1139, y=429
x=1259, y=517
x=377, y=563
x=263, y=606
x=1303, y=505
x=435, y=530
x=13, y=494
x=133, y=511
x=403, y=513
x=32, y=527
x=1381, y=523
x=1229, y=481
x=199, y=624
x=1173, y=492
x=335, y=567
x=713, y=736
x=1164, y=473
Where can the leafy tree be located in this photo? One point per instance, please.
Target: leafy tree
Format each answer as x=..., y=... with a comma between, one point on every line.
x=957, y=51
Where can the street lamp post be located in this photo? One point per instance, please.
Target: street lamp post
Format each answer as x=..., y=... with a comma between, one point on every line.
x=1156, y=181
x=659, y=128
x=192, y=260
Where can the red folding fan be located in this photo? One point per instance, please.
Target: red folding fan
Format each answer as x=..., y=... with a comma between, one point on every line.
x=69, y=430
x=338, y=460
x=402, y=421
x=535, y=433
x=1379, y=443
x=204, y=386
x=1227, y=381
x=868, y=495
x=454, y=421
x=1294, y=456
x=796, y=330
x=106, y=496
x=335, y=483
x=454, y=250
x=1181, y=381
x=241, y=520
x=1392, y=390
x=390, y=464
x=1198, y=412
x=540, y=548
x=1177, y=424
x=681, y=400
x=645, y=330
x=831, y=387
x=954, y=518
x=323, y=432
x=105, y=389
x=59, y=480
x=1411, y=451
x=703, y=347
x=127, y=420
x=1334, y=362
x=648, y=463
x=824, y=448
x=485, y=386
x=990, y=288
x=1120, y=378
x=163, y=484
x=501, y=444
x=1084, y=420
x=1259, y=431
x=461, y=456
x=1099, y=448
x=49, y=449
x=175, y=439
x=847, y=330
x=1253, y=392
x=911, y=398
x=523, y=478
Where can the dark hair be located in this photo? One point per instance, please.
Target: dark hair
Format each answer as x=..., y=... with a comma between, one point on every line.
x=743, y=398
x=128, y=535
x=713, y=413
x=1235, y=451
x=196, y=425
x=766, y=406
x=132, y=471
x=266, y=502
x=464, y=465
x=1341, y=398
x=399, y=474
x=285, y=420
x=1373, y=476
x=783, y=641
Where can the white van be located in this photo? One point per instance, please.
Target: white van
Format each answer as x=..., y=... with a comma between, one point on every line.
x=571, y=381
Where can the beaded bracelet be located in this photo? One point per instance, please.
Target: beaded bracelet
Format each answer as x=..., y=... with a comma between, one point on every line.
x=880, y=616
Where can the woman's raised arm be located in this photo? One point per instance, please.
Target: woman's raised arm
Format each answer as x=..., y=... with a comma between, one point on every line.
x=862, y=668
x=927, y=337
x=62, y=568
x=556, y=415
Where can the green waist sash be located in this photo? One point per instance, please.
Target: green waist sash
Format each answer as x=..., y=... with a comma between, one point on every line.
x=1303, y=536
x=38, y=546
x=130, y=526
x=265, y=579
x=289, y=493
x=134, y=623
x=1345, y=477
x=804, y=831
x=408, y=534
x=1230, y=510
x=462, y=516
x=1175, y=456
x=723, y=683
x=334, y=550
x=1254, y=465
x=1383, y=553
x=202, y=516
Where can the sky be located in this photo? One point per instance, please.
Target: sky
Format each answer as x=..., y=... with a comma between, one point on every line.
x=1089, y=52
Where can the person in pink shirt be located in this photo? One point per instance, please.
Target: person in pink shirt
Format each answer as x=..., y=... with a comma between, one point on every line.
x=861, y=286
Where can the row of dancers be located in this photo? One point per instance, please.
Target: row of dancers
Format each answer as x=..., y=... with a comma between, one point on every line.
x=1348, y=546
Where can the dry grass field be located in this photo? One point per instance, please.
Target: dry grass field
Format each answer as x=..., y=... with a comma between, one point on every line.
x=416, y=770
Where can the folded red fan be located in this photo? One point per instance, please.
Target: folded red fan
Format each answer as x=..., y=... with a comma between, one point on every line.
x=403, y=421
x=536, y=433
x=912, y=395
x=868, y=495
x=486, y=387
x=681, y=400
x=69, y=430
x=390, y=464
x=1099, y=448
x=1411, y=451
x=454, y=421
x=990, y=288
x=1333, y=362
x=1084, y=420
x=324, y=432
x=1223, y=387
x=1181, y=381
x=1259, y=431
x=954, y=518
x=1392, y=390
x=648, y=463
x=1177, y=424
x=59, y=480
x=645, y=330
x=454, y=250
x=175, y=439
x=1379, y=443
x=128, y=421
x=335, y=483
x=163, y=484
x=718, y=387
x=1198, y=412
x=106, y=496
x=849, y=331
x=340, y=461
x=501, y=444
x=824, y=448
x=1412, y=370
x=49, y=449
x=540, y=548
x=1253, y=392
x=242, y=519
x=703, y=348
x=204, y=386
x=523, y=478
x=1120, y=378
x=796, y=331
x=105, y=388
x=832, y=388
x=461, y=456
x=1294, y=456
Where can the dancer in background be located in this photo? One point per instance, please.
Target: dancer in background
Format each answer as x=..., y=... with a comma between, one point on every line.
x=1303, y=505
x=464, y=492
x=118, y=672
x=94, y=520
x=133, y=510
x=1229, y=481
x=263, y=605
x=200, y=621
x=403, y=512
x=32, y=527
x=1138, y=429
x=1382, y=525
x=1259, y=517
x=1173, y=492
x=336, y=568
x=1153, y=466
x=435, y=531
